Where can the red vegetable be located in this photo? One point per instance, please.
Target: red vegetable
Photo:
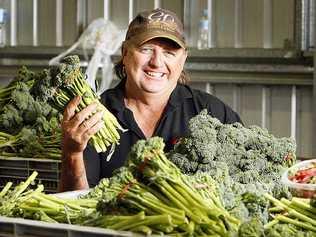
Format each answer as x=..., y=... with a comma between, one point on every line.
x=303, y=176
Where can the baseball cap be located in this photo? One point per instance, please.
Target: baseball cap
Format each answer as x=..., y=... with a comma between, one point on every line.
x=156, y=23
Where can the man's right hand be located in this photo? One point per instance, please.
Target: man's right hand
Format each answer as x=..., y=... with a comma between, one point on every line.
x=78, y=128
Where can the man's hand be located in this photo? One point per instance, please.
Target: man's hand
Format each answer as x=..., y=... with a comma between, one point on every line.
x=78, y=128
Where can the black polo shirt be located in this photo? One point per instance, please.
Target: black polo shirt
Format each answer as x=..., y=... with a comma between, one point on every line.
x=183, y=104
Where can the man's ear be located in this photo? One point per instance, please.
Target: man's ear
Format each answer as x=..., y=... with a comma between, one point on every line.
x=124, y=48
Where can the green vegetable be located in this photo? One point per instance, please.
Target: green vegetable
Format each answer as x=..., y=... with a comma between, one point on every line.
x=62, y=83
x=296, y=214
x=244, y=161
x=24, y=75
x=29, y=127
x=150, y=183
x=34, y=204
x=252, y=228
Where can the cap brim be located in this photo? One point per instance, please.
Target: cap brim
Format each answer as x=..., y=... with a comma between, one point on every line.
x=149, y=35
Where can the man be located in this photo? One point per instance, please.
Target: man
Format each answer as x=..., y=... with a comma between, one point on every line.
x=151, y=100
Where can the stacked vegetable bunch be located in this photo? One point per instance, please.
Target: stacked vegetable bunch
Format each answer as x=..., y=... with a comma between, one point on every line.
x=151, y=195
x=23, y=201
x=65, y=81
x=292, y=218
x=29, y=126
x=246, y=162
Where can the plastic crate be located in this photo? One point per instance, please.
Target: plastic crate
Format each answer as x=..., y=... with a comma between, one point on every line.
x=17, y=169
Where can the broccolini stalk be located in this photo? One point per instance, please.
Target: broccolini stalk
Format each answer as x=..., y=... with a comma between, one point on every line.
x=5, y=189
x=63, y=83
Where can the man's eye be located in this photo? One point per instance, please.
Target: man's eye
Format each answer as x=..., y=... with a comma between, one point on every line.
x=170, y=53
x=146, y=50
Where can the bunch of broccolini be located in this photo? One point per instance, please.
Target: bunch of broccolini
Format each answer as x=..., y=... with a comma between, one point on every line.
x=152, y=196
x=24, y=75
x=62, y=83
x=29, y=127
x=295, y=217
x=246, y=162
x=289, y=218
x=23, y=201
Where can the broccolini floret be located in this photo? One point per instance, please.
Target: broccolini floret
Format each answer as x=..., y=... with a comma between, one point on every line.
x=252, y=228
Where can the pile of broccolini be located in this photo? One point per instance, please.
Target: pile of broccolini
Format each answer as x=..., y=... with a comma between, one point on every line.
x=152, y=196
x=246, y=162
x=65, y=81
x=29, y=126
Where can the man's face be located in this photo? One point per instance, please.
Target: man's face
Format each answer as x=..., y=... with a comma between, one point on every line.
x=154, y=67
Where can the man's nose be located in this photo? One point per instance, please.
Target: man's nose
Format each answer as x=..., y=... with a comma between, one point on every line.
x=156, y=59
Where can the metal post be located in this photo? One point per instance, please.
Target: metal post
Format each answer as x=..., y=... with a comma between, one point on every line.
x=293, y=112
x=13, y=19
x=59, y=22
x=312, y=24
x=187, y=21
x=266, y=107
x=238, y=24
x=304, y=28
x=267, y=24
x=35, y=22
x=130, y=10
x=157, y=4
x=106, y=10
x=211, y=23
x=81, y=15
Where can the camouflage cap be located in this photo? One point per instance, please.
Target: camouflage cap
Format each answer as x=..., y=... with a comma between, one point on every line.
x=156, y=23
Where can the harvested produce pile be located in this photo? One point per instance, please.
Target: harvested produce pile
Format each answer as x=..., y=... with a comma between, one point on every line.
x=151, y=196
x=159, y=198
x=246, y=162
x=29, y=126
x=65, y=81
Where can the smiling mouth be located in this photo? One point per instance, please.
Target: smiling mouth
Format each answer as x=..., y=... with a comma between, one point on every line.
x=155, y=74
